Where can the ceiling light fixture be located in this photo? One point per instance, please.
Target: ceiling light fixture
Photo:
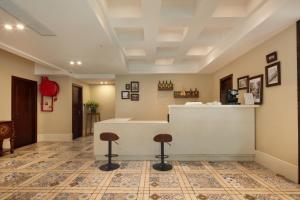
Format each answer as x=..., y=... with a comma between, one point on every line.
x=105, y=82
x=79, y=63
x=72, y=62
x=8, y=27
x=20, y=26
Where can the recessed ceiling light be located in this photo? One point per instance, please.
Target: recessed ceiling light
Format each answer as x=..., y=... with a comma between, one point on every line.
x=8, y=27
x=20, y=26
x=101, y=82
x=105, y=82
x=79, y=63
x=72, y=62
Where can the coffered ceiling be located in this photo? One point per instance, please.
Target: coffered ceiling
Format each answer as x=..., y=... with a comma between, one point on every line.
x=140, y=36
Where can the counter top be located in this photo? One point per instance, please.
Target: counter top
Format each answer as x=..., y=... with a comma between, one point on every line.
x=213, y=106
x=130, y=121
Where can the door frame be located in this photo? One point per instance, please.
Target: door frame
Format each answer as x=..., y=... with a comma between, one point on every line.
x=13, y=87
x=81, y=97
x=298, y=90
x=230, y=76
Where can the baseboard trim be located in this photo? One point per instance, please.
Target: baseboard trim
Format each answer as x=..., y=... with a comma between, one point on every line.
x=54, y=137
x=192, y=157
x=281, y=167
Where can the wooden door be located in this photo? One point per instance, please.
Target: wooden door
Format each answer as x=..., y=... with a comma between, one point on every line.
x=24, y=110
x=225, y=85
x=77, y=111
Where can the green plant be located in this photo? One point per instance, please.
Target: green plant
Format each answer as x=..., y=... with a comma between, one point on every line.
x=92, y=106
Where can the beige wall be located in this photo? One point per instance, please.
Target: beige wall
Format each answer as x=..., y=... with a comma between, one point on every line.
x=276, y=119
x=153, y=104
x=57, y=122
x=105, y=95
x=11, y=65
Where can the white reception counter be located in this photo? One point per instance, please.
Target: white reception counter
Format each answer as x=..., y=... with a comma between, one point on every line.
x=210, y=132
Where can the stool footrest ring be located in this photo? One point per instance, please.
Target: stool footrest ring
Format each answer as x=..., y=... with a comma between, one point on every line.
x=160, y=156
x=111, y=155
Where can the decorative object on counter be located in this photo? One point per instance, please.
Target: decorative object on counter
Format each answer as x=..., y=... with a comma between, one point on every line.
x=90, y=119
x=256, y=88
x=231, y=97
x=7, y=131
x=273, y=74
x=91, y=106
x=243, y=83
x=135, y=86
x=127, y=86
x=187, y=94
x=49, y=91
x=135, y=97
x=271, y=57
x=165, y=86
x=125, y=95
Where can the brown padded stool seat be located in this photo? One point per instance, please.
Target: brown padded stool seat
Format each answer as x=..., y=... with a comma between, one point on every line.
x=107, y=136
x=162, y=138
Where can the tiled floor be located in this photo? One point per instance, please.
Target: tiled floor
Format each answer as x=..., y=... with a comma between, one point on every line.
x=67, y=170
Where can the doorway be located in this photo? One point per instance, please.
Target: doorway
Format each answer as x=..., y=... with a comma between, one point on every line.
x=225, y=85
x=77, y=111
x=24, y=110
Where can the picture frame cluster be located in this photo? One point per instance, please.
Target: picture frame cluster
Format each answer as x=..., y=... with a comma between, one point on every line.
x=255, y=84
x=131, y=91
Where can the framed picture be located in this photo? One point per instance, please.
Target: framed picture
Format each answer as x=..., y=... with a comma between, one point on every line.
x=256, y=88
x=125, y=95
x=271, y=57
x=242, y=83
x=273, y=74
x=47, y=104
x=127, y=86
x=135, y=86
x=135, y=97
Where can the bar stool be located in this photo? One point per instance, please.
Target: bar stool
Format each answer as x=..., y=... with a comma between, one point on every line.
x=162, y=166
x=110, y=137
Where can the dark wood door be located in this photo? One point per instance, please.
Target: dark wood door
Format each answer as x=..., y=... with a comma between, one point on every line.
x=24, y=110
x=77, y=111
x=225, y=85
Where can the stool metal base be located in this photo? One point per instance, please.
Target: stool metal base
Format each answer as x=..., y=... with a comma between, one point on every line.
x=162, y=166
x=109, y=167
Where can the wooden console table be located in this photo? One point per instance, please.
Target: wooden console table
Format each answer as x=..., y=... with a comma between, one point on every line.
x=7, y=131
x=90, y=119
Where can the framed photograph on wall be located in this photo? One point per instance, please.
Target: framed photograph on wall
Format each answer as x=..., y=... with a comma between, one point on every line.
x=135, y=97
x=243, y=83
x=256, y=88
x=135, y=86
x=273, y=74
x=125, y=95
x=271, y=57
x=127, y=86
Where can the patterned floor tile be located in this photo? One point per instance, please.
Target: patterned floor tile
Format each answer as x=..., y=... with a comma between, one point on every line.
x=12, y=164
x=12, y=179
x=159, y=180
x=202, y=180
x=241, y=181
x=87, y=180
x=166, y=196
x=71, y=165
x=223, y=165
x=191, y=165
x=50, y=179
x=119, y=196
x=72, y=196
x=28, y=195
x=125, y=180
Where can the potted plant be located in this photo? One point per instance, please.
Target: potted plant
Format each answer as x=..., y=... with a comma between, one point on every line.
x=91, y=106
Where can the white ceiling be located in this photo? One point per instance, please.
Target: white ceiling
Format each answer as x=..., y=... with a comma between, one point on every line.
x=141, y=36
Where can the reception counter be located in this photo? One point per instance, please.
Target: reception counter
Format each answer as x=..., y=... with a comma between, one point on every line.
x=210, y=132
